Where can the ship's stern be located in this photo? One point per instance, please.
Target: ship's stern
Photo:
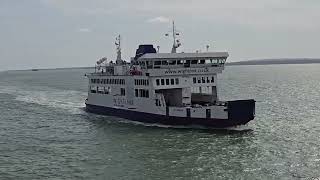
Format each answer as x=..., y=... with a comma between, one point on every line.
x=241, y=111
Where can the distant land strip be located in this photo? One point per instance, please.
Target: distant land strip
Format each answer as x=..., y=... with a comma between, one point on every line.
x=239, y=63
x=275, y=61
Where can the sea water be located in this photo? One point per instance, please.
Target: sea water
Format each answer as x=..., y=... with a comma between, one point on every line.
x=45, y=132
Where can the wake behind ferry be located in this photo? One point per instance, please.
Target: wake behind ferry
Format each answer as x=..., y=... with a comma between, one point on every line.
x=165, y=88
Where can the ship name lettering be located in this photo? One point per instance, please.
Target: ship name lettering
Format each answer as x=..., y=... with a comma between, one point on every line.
x=121, y=102
x=187, y=71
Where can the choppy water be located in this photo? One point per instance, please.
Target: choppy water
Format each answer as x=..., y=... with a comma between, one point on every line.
x=44, y=132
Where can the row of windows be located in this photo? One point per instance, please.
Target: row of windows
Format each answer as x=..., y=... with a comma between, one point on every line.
x=167, y=81
x=182, y=62
x=140, y=82
x=141, y=93
x=106, y=90
x=203, y=80
x=108, y=81
x=100, y=90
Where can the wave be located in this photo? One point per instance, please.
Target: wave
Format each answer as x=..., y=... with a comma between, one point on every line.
x=70, y=100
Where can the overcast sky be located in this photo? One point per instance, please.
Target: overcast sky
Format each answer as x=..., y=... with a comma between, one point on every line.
x=65, y=33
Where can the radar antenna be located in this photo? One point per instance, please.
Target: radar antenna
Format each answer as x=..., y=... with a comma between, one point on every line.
x=118, y=47
x=176, y=42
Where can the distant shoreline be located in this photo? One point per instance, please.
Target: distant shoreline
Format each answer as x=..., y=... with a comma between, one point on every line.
x=275, y=61
x=238, y=63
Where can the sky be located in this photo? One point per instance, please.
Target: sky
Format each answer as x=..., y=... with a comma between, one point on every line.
x=76, y=33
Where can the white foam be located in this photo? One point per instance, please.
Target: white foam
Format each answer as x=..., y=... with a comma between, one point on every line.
x=69, y=100
x=179, y=126
x=251, y=169
x=239, y=128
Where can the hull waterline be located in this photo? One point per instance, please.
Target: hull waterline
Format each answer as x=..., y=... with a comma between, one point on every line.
x=236, y=118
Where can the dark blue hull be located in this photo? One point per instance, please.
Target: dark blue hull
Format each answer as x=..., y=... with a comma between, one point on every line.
x=239, y=113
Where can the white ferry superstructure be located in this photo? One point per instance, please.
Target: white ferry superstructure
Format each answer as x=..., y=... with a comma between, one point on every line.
x=165, y=88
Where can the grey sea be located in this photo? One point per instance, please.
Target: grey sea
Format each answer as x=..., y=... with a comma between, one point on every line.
x=46, y=134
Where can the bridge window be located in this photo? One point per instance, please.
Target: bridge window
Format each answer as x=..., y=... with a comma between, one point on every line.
x=149, y=65
x=157, y=63
x=208, y=81
x=203, y=80
x=142, y=64
x=194, y=61
x=212, y=79
x=208, y=61
x=214, y=61
x=164, y=62
x=177, y=80
x=167, y=81
x=158, y=82
x=172, y=81
x=194, y=80
x=172, y=62
x=162, y=81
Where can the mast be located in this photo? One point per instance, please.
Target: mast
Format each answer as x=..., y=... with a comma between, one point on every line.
x=118, y=47
x=174, y=49
x=176, y=42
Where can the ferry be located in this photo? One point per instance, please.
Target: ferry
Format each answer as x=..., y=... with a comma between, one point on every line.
x=176, y=88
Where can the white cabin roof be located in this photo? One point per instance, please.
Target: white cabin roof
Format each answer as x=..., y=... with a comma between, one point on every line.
x=204, y=55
